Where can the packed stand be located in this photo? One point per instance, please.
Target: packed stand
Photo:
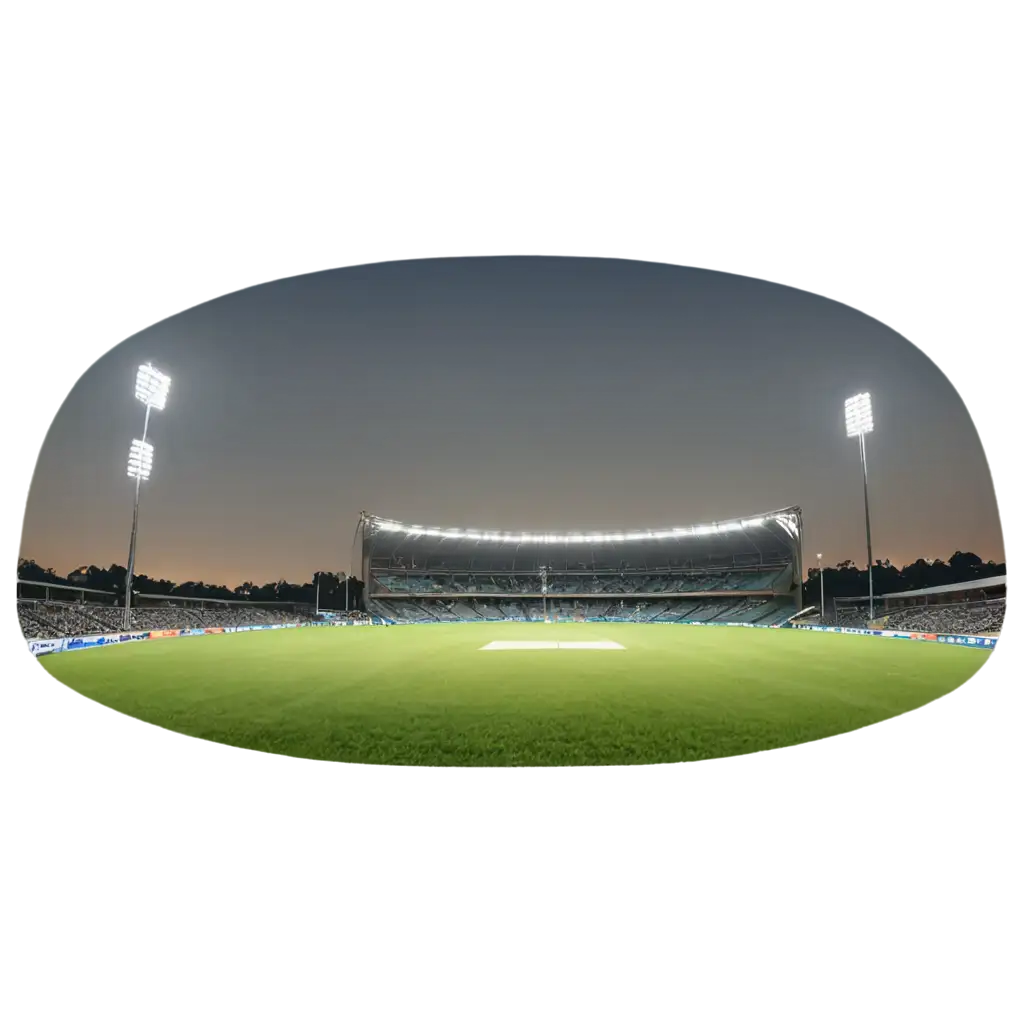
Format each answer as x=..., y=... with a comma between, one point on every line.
x=47, y=620
x=851, y=618
x=968, y=619
x=213, y=617
x=436, y=584
x=756, y=611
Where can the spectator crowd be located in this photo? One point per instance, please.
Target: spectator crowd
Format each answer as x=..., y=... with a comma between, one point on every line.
x=48, y=620
x=967, y=618
x=428, y=584
x=756, y=611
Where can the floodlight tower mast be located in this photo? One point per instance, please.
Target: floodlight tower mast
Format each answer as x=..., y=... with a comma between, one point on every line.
x=151, y=388
x=821, y=579
x=365, y=520
x=859, y=422
x=544, y=588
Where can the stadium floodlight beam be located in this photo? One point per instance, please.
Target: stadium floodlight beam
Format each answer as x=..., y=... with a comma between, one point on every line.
x=859, y=421
x=140, y=460
x=151, y=388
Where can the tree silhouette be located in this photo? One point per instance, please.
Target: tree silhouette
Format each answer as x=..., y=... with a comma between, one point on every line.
x=843, y=580
x=846, y=580
x=30, y=571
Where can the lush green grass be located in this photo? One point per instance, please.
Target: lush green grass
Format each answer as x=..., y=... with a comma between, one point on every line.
x=427, y=695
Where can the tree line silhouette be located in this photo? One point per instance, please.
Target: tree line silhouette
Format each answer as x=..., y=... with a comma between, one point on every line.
x=112, y=579
x=847, y=580
x=843, y=580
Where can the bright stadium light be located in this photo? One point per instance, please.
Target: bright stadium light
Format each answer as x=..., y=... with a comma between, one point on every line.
x=151, y=388
x=140, y=459
x=859, y=422
x=858, y=415
x=784, y=519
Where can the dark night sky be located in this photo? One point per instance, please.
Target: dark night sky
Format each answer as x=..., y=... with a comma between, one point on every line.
x=534, y=394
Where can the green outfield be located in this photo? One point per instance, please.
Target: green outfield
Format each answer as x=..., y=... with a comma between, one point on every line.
x=428, y=695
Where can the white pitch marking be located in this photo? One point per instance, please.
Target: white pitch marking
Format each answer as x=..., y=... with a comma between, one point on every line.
x=519, y=645
x=551, y=645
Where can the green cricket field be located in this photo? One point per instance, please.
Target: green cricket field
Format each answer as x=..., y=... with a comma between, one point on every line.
x=516, y=694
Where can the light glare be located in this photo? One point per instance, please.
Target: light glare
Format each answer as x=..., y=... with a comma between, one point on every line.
x=140, y=460
x=784, y=519
x=152, y=386
x=858, y=415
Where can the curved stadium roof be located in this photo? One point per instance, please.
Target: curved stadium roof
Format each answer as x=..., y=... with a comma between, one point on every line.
x=771, y=537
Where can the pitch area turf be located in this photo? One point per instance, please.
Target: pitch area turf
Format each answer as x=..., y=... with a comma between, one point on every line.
x=426, y=695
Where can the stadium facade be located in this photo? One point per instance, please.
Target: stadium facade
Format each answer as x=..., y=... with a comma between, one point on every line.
x=738, y=570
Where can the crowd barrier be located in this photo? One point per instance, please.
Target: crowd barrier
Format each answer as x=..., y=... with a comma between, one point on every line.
x=79, y=643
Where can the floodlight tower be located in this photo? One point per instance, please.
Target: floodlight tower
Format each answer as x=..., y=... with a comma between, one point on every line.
x=151, y=388
x=821, y=579
x=858, y=423
x=544, y=588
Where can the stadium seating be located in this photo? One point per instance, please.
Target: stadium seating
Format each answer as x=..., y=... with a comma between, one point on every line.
x=607, y=583
x=759, y=610
x=638, y=575
x=963, y=617
x=42, y=620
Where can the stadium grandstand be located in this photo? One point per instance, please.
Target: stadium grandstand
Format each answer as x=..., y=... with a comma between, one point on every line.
x=974, y=608
x=51, y=610
x=734, y=571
